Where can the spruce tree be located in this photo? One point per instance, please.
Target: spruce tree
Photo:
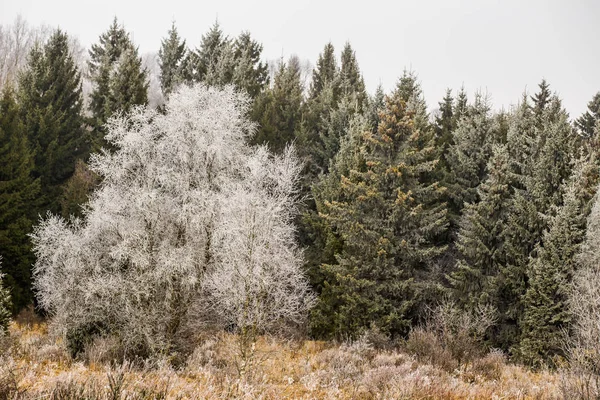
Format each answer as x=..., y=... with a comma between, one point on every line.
x=119, y=79
x=250, y=74
x=203, y=63
x=19, y=193
x=586, y=123
x=278, y=109
x=51, y=102
x=325, y=73
x=461, y=105
x=445, y=124
x=388, y=222
x=468, y=155
x=171, y=55
x=480, y=236
x=540, y=100
x=352, y=84
x=550, y=273
x=409, y=89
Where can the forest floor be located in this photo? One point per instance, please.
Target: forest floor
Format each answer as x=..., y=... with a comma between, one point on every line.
x=34, y=364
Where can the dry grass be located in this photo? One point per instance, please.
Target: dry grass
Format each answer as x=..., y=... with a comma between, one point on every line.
x=34, y=364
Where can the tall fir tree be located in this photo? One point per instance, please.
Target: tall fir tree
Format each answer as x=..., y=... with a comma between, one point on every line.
x=171, y=56
x=50, y=101
x=388, y=223
x=480, y=236
x=586, y=123
x=352, y=84
x=445, y=124
x=546, y=315
x=278, y=109
x=325, y=73
x=251, y=74
x=118, y=77
x=19, y=193
x=468, y=155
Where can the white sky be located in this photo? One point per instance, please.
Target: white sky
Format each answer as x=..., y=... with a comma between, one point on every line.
x=502, y=47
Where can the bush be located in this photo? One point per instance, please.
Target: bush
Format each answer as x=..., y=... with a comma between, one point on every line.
x=451, y=337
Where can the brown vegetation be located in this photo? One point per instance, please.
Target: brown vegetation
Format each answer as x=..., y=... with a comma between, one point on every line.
x=35, y=364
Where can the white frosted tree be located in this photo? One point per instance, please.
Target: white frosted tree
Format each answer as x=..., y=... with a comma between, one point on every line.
x=189, y=226
x=4, y=304
x=584, y=306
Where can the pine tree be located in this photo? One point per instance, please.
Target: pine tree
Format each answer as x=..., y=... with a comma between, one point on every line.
x=19, y=193
x=278, y=109
x=586, y=123
x=550, y=273
x=251, y=74
x=461, y=106
x=409, y=89
x=171, y=55
x=51, y=102
x=540, y=100
x=325, y=73
x=119, y=80
x=480, y=236
x=388, y=222
x=352, y=84
x=203, y=63
x=445, y=124
x=468, y=155
x=5, y=304
x=129, y=85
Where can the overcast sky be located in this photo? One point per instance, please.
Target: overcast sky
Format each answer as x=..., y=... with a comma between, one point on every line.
x=502, y=47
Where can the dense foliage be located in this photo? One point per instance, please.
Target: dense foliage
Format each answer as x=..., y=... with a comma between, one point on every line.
x=401, y=205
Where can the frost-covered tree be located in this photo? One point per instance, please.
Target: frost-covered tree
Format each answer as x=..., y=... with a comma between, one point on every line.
x=190, y=225
x=584, y=309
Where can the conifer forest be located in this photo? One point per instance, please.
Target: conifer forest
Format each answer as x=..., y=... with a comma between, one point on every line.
x=206, y=223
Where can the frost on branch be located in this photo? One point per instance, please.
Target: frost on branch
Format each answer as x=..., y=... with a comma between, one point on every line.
x=189, y=226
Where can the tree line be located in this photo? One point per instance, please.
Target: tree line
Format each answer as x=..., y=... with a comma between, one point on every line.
x=400, y=208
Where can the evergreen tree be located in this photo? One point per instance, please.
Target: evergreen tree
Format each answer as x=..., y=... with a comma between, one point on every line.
x=445, y=124
x=352, y=84
x=540, y=100
x=278, y=109
x=461, y=106
x=325, y=73
x=480, y=236
x=203, y=63
x=586, y=123
x=171, y=55
x=19, y=193
x=388, y=223
x=251, y=74
x=119, y=80
x=550, y=273
x=409, y=89
x=50, y=101
x=468, y=155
